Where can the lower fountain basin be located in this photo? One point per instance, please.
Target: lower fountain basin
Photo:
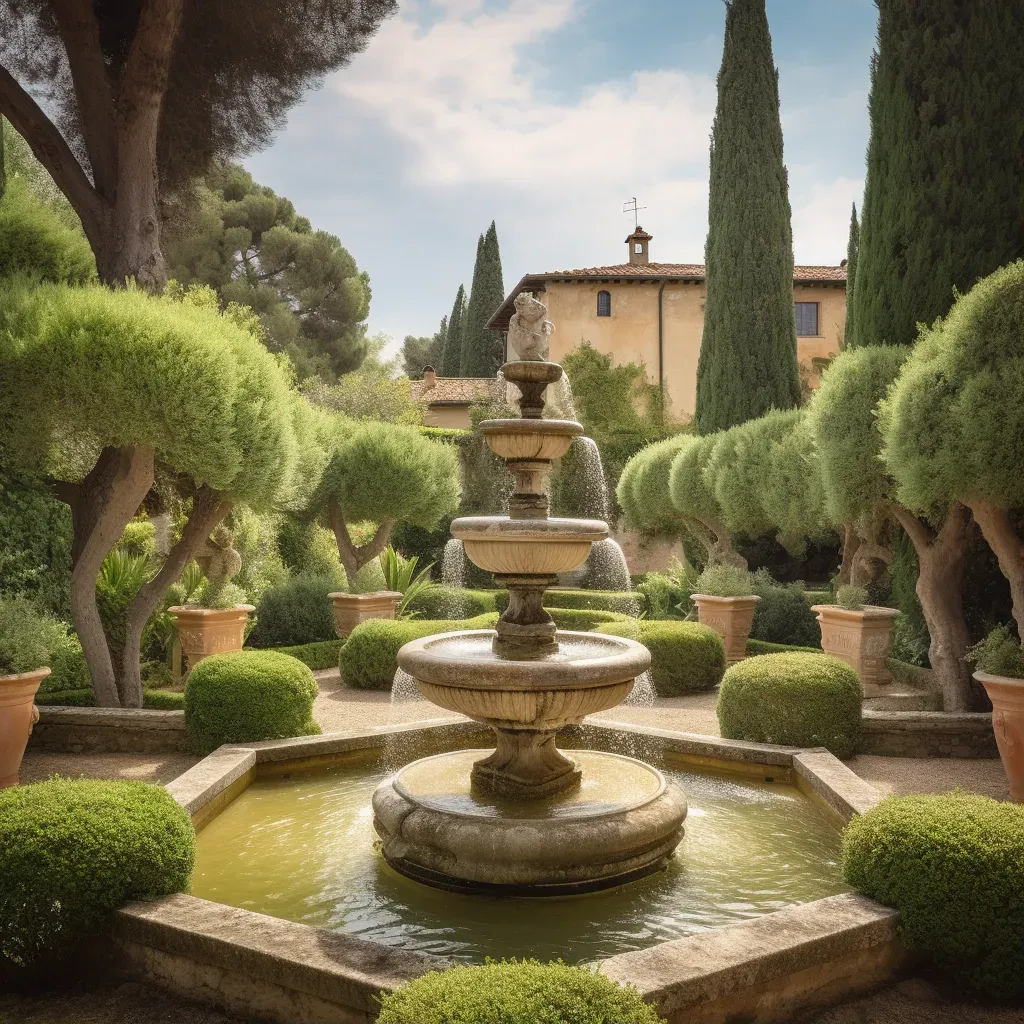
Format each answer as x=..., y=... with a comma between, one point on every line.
x=622, y=822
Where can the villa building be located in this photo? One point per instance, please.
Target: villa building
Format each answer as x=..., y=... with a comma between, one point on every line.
x=447, y=400
x=653, y=313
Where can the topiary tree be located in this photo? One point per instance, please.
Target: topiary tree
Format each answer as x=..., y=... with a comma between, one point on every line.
x=99, y=389
x=384, y=474
x=953, y=424
x=643, y=491
x=863, y=495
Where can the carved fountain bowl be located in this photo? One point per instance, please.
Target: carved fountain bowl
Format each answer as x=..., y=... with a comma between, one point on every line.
x=461, y=673
x=530, y=439
x=542, y=547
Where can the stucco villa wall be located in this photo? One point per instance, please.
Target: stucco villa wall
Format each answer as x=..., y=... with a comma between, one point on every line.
x=446, y=416
x=630, y=334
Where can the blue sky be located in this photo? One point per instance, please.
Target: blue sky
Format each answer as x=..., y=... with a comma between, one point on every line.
x=546, y=115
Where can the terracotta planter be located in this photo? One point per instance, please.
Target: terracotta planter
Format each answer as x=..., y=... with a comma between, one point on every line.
x=1007, y=696
x=18, y=714
x=730, y=618
x=206, y=631
x=862, y=638
x=351, y=609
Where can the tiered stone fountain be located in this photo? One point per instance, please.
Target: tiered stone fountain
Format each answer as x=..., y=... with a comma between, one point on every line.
x=526, y=818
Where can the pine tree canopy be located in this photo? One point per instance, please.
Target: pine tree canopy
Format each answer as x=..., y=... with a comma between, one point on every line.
x=451, y=353
x=852, y=252
x=747, y=359
x=425, y=351
x=483, y=351
x=249, y=245
x=944, y=195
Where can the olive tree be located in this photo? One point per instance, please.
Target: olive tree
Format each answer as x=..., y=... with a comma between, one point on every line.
x=99, y=389
x=861, y=492
x=953, y=424
x=384, y=474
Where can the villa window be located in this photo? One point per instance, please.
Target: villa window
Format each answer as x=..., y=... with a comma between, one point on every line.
x=806, y=319
x=604, y=303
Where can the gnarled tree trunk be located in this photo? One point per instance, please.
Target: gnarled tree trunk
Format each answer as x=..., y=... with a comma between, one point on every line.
x=851, y=542
x=353, y=557
x=721, y=551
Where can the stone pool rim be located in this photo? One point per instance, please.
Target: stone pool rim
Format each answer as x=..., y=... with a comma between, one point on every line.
x=765, y=969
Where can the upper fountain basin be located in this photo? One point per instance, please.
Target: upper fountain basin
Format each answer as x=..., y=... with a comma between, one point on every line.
x=530, y=439
x=531, y=371
x=534, y=547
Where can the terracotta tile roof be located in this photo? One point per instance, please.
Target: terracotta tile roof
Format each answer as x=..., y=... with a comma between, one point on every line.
x=453, y=390
x=639, y=271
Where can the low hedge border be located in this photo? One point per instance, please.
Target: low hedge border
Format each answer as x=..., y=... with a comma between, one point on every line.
x=318, y=656
x=442, y=603
x=152, y=700
x=584, y=619
x=625, y=602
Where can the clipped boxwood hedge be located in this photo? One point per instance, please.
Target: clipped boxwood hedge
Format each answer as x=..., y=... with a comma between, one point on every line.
x=248, y=695
x=625, y=602
x=953, y=866
x=584, y=618
x=515, y=992
x=755, y=647
x=152, y=700
x=316, y=656
x=73, y=850
x=369, y=659
x=295, y=613
x=447, y=603
x=686, y=657
x=798, y=700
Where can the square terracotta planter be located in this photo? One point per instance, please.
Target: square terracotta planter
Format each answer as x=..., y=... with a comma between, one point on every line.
x=18, y=714
x=731, y=618
x=351, y=609
x=206, y=631
x=1007, y=696
x=861, y=637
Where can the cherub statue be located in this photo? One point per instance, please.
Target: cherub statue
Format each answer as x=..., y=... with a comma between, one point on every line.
x=528, y=331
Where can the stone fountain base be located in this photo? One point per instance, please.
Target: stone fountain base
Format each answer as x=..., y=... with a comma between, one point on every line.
x=622, y=821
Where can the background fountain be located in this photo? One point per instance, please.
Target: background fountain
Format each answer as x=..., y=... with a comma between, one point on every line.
x=526, y=817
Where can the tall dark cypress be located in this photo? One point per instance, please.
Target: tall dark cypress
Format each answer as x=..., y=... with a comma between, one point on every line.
x=748, y=359
x=483, y=350
x=852, y=255
x=944, y=195
x=451, y=354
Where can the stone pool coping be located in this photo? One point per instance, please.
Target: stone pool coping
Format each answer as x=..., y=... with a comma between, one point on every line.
x=762, y=970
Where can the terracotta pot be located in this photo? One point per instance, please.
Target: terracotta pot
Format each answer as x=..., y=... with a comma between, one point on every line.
x=351, y=609
x=730, y=618
x=1007, y=696
x=206, y=631
x=18, y=714
x=861, y=637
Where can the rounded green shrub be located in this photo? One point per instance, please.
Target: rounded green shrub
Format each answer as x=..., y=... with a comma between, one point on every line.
x=442, y=602
x=797, y=700
x=686, y=657
x=248, y=695
x=784, y=616
x=953, y=866
x=516, y=992
x=295, y=613
x=369, y=659
x=71, y=851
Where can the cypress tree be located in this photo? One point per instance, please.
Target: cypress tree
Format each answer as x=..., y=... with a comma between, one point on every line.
x=747, y=359
x=483, y=350
x=852, y=254
x=451, y=354
x=944, y=195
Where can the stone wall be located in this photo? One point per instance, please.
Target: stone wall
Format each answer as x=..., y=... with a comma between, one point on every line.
x=108, y=731
x=928, y=734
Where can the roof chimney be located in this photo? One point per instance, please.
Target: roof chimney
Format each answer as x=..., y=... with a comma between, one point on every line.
x=429, y=378
x=637, y=245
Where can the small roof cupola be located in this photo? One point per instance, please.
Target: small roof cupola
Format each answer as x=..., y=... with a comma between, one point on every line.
x=637, y=243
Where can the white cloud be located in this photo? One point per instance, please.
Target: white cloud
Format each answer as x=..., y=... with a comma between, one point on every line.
x=821, y=220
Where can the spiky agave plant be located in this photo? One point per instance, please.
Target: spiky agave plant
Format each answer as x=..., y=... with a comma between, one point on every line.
x=400, y=575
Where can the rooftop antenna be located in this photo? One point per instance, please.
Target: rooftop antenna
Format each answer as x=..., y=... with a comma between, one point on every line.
x=630, y=206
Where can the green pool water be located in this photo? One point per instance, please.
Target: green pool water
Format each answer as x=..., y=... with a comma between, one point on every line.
x=302, y=848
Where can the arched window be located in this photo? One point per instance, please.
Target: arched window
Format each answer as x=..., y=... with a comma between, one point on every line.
x=604, y=303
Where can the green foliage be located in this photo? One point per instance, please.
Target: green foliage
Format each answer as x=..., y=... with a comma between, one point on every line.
x=369, y=659
x=625, y=602
x=667, y=594
x=250, y=246
x=689, y=489
x=910, y=631
x=644, y=488
x=316, y=656
x=451, y=353
x=942, y=197
x=83, y=697
x=783, y=615
x=294, y=613
x=852, y=257
x=843, y=419
x=248, y=695
x=515, y=992
x=757, y=647
x=370, y=393
x=254, y=537
x=72, y=851
x=442, y=602
x=68, y=670
x=163, y=700
x=725, y=581
x=686, y=657
x=401, y=577
x=456, y=435
x=584, y=618
x=311, y=550
x=483, y=350
x=999, y=654
x=953, y=866
x=28, y=638
x=418, y=353
x=850, y=597
x=35, y=241
x=797, y=700
x=747, y=359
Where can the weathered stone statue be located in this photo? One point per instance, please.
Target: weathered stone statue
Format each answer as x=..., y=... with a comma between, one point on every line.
x=528, y=331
